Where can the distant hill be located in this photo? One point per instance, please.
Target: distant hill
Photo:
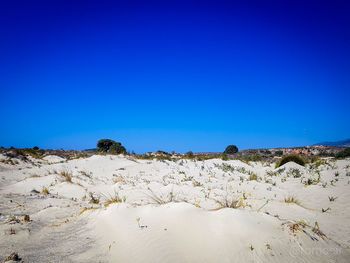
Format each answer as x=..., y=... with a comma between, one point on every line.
x=90, y=150
x=343, y=143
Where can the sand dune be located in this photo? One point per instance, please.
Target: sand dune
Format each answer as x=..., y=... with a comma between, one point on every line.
x=120, y=209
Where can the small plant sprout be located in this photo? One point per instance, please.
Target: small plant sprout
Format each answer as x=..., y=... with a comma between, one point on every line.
x=336, y=174
x=267, y=245
x=26, y=218
x=12, y=231
x=332, y=198
x=93, y=199
x=251, y=247
x=294, y=172
x=317, y=231
x=253, y=177
x=138, y=222
x=325, y=210
x=45, y=190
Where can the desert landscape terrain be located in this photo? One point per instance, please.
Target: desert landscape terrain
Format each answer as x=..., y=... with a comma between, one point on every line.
x=118, y=208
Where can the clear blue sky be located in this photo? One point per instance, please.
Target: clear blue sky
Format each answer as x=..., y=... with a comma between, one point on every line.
x=174, y=75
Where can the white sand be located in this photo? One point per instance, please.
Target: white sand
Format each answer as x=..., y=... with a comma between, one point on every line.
x=172, y=211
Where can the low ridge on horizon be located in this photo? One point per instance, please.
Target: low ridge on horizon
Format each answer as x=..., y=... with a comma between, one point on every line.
x=342, y=143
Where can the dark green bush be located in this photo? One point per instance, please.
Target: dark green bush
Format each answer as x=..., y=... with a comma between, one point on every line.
x=104, y=144
x=279, y=153
x=107, y=145
x=343, y=154
x=117, y=148
x=162, y=152
x=35, y=148
x=189, y=154
x=291, y=158
x=231, y=149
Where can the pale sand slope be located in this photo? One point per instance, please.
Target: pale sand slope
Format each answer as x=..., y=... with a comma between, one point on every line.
x=172, y=211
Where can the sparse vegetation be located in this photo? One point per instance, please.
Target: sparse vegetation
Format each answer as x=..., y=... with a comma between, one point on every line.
x=111, y=199
x=67, y=176
x=224, y=157
x=332, y=198
x=279, y=153
x=253, y=177
x=14, y=257
x=292, y=199
x=26, y=218
x=227, y=203
x=343, y=154
x=94, y=199
x=189, y=154
x=310, y=181
x=87, y=174
x=294, y=172
x=291, y=158
x=45, y=190
x=162, y=199
x=9, y=161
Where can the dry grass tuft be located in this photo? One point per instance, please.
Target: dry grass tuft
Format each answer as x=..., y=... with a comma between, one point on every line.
x=34, y=176
x=161, y=199
x=113, y=199
x=86, y=209
x=228, y=202
x=45, y=190
x=253, y=177
x=67, y=176
x=26, y=218
x=292, y=200
x=119, y=178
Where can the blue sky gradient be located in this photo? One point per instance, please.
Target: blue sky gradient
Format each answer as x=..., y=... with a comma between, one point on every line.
x=174, y=75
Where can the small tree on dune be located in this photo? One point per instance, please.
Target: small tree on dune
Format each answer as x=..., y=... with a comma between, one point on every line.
x=231, y=149
x=103, y=145
x=110, y=146
x=190, y=154
x=117, y=148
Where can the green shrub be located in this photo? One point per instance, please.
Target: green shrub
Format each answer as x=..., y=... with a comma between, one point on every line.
x=117, y=148
x=231, y=149
x=251, y=158
x=103, y=145
x=291, y=158
x=38, y=154
x=279, y=153
x=162, y=152
x=224, y=157
x=344, y=153
x=107, y=145
x=189, y=154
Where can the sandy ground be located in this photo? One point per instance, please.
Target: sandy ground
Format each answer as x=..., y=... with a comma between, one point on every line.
x=119, y=209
